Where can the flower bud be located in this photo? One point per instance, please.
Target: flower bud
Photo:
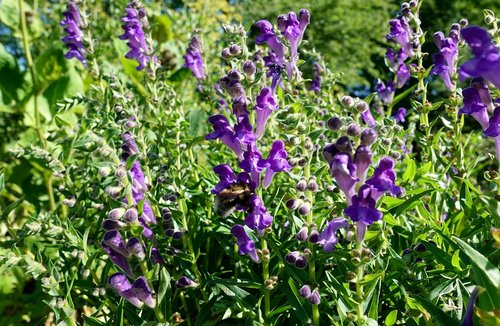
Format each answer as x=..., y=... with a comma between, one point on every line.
x=109, y=225
x=292, y=257
x=464, y=22
x=116, y=213
x=131, y=215
x=413, y=3
x=301, y=185
x=455, y=26
x=185, y=282
x=305, y=291
x=368, y=137
x=302, y=234
x=235, y=49
x=314, y=298
x=353, y=130
x=301, y=262
x=249, y=68
x=362, y=106
x=292, y=203
x=330, y=188
x=314, y=236
x=177, y=235
x=169, y=232
x=305, y=208
x=225, y=54
x=302, y=162
x=312, y=185
x=334, y=123
x=121, y=172
x=104, y=171
x=344, y=144
x=347, y=101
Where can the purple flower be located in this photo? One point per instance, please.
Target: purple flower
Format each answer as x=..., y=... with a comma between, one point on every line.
x=224, y=132
x=486, y=61
x=400, y=33
x=129, y=146
x=122, y=286
x=474, y=106
x=156, y=257
x=344, y=172
x=383, y=179
x=400, y=115
x=135, y=247
x=114, y=240
x=402, y=75
x=293, y=30
x=193, y=59
x=239, y=106
x=271, y=61
x=245, y=244
x=316, y=82
x=133, y=33
x=258, y=218
x=268, y=36
x=250, y=161
x=243, y=131
x=363, y=211
x=368, y=118
x=117, y=258
x=493, y=129
x=74, y=36
x=143, y=292
x=228, y=178
x=266, y=103
x=385, y=92
x=482, y=89
x=444, y=61
x=396, y=59
x=275, y=162
x=362, y=160
x=185, y=282
x=327, y=237
x=469, y=312
x=440, y=68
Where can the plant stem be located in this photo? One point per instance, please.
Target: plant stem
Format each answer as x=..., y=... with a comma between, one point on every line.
x=359, y=287
x=265, y=277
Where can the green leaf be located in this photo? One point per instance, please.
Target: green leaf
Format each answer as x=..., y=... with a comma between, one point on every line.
x=437, y=314
x=487, y=275
x=11, y=207
x=10, y=87
x=162, y=29
x=164, y=292
x=391, y=318
x=441, y=256
x=294, y=300
x=410, y=202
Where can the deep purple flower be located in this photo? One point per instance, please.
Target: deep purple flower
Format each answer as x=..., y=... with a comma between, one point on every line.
x=109, y=224
x=474, y=106
x=385, y=92
x=275, y=162
x=156, y=257
x=362, y=160
x=258, y=218
x=344, y=172
x=114, y=240
x=383, y=179
x=243, y=131
x=266, y=103
x=74, y=36
x=193, y=59
x=249, y=164
x=239, y=106
x=185, y=282
x=444, y=61
x=135, y=247
x=228, y=178
x=117, y=258
x=402, y=75
x=493, y=129
x=400, y=115
x=122, y=286
x=224, y=132
x=268, y=36
x=400, y=33
x=368, y=118
x=363, y=211
x=316, y=82
x=440, y=68
x=486, y=61
x=327, y=237
x=245, y=244
x=469, y=312
x=133, y=33
x=143, y=292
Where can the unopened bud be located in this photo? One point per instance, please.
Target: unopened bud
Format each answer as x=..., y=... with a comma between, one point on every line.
x=347, y=101
x=235, y=49
x=301, y=262
x=301, y=185
x=305, y=291
x=116, y=213
x=302, y=234
x=249, y=68
x=292, y=257
x=314, y=298
x=313, y=236
x=362, y=106
x=334, y=123
x=305, y=208
x=353, y=130
x=225, y=54
x=131, y=215
x=368, y=137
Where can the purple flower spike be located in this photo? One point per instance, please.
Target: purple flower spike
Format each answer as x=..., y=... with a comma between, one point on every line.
x=143, y=292
x=402, y=75
x=362, y=160
x=363, y=211
x=400, y=33
x=275, y=162
x=494, y=124
x=122, y=286
x=344, y=173
x=316, y=82
x=486, y=62
x=185, y=282
x=400, y=115
x=258, y=218
x=327, y=237
x=224, y=132
x=385, y=92
x=114, y=240
x=139, y=187
x=368, y=118
x=118, y=259
x=383, y=179
x=74, y=36
x=133, y=33
x=268, y=36
x=266, y=103
x=440, y=68
x=193, y=59
x=474, y=106
x=245, y=244
x=293, y=30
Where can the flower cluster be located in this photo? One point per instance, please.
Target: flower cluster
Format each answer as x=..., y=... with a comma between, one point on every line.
x=444, y=61
x=133, y=22
x=193, y=59
x=292, y=27
x=238, y=191
x=74, y=36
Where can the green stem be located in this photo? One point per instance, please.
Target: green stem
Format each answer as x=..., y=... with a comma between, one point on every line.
x=186, y=308
x=265, y=277
x=359, y=287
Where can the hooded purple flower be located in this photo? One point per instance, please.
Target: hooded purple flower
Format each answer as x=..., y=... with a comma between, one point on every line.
x=74, y=36
x=402, y=75
x=396, y=59
x=363, y=211
x=400, y=115
x=444, y=61
x=185, y=282
x=243, y=131
x=275, y=68
x=266, y=103
x=245, y=244
x=268, y=36
x=122, y=286
x=275, y=162
x=383, y=179
x=228, y=178
x=193, y=59
x=362, y=160
x=117, y=258
x=327, y=237
x=474, y=106
x=133, y=33
x=143, y=292
x=368, y=118
x=385, y=92
x=258, y=218
x=400, y=33
x=344, y=172
x=135, y=247
x=493, y=129
x=486, y=61
x=250, y=161
x=114, y=240
x=224, y=132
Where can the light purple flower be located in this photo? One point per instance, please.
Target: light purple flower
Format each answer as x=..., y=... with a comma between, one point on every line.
x=122, y=286
x=250, y=161
x=344, y=172
x=114, y=240
x=245, y=244
x=400, y=115
x=486, y=61
x=224, y=132
x=402, y=75
x=129, y=146
x=474, y=106
x=258, y=218
x=275, y=162
x=362, y=160
x=193, y=59
x=143, y=292
x=228, y=178
x=400, y=33
x=396, y=59
x=74, y=36
x=385, y=92
x=293, y=30
x=268, y=36
x=368, y=118
x=327, y=237
x=266, y=104
x=133, y=33
x=117, y=258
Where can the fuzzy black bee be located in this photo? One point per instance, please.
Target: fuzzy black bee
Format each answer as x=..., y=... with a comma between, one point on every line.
x=227, y=200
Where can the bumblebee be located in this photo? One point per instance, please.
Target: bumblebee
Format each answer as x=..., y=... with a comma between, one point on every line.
x=227, y=200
